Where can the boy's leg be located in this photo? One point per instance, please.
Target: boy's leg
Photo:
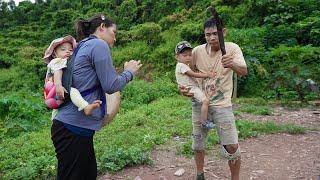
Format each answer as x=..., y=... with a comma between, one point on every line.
x=77, y=99
x=201, y=97
x=82, y=104
x=204, y=110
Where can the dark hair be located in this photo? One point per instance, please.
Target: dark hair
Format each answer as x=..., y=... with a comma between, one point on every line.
x=86, y=27
x=211, y=23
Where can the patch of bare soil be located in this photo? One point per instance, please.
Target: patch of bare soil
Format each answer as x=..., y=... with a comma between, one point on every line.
x=267, y=157
x=304, y=117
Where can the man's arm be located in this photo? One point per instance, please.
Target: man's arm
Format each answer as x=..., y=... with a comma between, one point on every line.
x=236, y=62
x=239, y=69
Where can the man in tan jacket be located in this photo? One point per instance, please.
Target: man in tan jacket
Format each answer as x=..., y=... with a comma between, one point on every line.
x=208, y=58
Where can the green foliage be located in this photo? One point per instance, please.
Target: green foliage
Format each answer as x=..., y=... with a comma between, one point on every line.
x=280, y=35
x=114, y=146
x=251, y=42
x=140, y=92
x=174, y=19
x=291, y=11
x=21, y=113
x=185, y=148
x=144, y=28
x=153, y=11
x=63, y=18
x=135, y=50
x=115, y=159
x=29, y=156
x=308, y=30
x=290, y=67
x=147, y=32
x=26, y=73
x=192, y=32
x=254, y=109
x=259, y=101
x=249, y=129
x=128, y=14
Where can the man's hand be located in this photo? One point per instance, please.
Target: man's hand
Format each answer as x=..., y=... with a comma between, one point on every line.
x=227, y=61
x=185, y=91
x=132, y=66
x=60, y=90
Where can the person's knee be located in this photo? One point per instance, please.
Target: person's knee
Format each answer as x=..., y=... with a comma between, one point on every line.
x=231, y=152
x=231, y=148
x=198, y=151
x=198, y=142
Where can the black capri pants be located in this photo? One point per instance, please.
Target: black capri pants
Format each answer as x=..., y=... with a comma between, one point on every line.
x=75, y=154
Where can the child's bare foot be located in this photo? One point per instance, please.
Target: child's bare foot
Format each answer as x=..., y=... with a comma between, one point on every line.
x=88, y=109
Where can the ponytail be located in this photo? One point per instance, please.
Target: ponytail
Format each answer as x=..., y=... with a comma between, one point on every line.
x=86, y=27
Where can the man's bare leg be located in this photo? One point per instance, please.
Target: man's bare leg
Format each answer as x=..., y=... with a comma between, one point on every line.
x=199, y=158
x=234, y=165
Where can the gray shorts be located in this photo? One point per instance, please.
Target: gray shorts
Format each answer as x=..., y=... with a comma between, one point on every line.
x=224, y=121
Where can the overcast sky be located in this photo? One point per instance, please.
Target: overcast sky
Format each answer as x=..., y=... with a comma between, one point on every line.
x=17, y=1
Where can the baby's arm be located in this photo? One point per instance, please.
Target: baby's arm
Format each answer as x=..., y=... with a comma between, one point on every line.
x=200, y=75
x=58, y=83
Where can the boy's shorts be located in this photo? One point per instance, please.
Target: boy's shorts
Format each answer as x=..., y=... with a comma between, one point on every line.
x=224, y=121
x=198, y=94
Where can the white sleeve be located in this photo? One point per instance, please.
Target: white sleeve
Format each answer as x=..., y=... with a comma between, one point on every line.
x=57, y=64
x=183, y=68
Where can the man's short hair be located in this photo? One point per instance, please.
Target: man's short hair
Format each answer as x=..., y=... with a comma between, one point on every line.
x=211, y=23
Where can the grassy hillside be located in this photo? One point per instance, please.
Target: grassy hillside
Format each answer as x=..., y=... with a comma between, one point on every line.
x=279, y=39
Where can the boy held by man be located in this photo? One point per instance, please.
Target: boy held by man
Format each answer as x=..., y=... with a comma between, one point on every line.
x=186, y=77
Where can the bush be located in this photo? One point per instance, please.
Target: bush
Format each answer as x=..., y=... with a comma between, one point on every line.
x=22, y=113
x=140, y=92
x=280, y=35
x=251, y=43
x=162, y=58
x=289, y=12
x=147, y=32
x=29, y=156
x=308, y=31
x=290, y=67
x=137, y=50
x=127, y=15
x=174, y=19
x=192, y=32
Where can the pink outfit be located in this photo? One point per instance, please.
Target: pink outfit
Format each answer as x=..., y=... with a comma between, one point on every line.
x=50, y=96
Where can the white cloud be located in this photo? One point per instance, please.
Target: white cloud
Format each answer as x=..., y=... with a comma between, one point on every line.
x=18, y=1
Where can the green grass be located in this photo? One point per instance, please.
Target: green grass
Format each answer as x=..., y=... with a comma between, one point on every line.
x=127, y=141
x=254, y=109
x=253, y=101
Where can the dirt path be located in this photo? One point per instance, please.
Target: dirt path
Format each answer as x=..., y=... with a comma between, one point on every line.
x=303, y=117
x=268, y=157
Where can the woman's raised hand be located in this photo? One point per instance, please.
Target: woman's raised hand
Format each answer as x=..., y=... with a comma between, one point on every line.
x=132, y=66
